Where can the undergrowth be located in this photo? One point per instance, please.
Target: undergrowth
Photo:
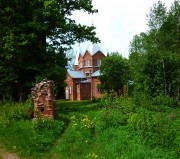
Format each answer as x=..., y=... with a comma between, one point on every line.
x=111, y=128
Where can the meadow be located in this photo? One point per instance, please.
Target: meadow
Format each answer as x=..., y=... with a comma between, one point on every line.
x=110, y=128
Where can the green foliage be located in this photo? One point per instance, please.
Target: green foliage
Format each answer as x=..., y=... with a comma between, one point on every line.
x=144, y=117
x=20, y=133
x=78, y=136
x=154, y=128
x=31, y=138
x=159, y=103
x=46, y=131
x=113, y=73
x=115, y=127
x=35, y=36
x=154, y=55
x=17, y=111
x=165, y=101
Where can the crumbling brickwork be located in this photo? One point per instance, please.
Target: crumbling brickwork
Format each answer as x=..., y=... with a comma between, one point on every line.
x=44, y=100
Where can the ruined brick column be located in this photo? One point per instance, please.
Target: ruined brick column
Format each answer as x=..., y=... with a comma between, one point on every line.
x=43, y=99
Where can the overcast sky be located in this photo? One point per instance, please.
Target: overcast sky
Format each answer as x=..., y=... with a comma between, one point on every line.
x=116, y=22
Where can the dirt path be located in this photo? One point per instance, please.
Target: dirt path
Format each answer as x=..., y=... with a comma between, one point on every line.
x=7, y=154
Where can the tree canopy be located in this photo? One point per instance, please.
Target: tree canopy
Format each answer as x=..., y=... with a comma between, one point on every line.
x=34, y=37
x=155, y=55
x=113, y=73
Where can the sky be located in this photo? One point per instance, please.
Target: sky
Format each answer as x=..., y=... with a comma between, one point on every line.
x=116, y=22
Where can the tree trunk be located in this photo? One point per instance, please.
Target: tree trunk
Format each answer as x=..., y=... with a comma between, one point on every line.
x=164, y=73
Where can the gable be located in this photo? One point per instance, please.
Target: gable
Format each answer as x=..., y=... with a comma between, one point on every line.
x=93, y=48
x=87, y=55
x=98, y=55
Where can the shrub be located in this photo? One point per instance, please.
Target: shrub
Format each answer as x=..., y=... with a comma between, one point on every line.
x=31, y=137
x=164, y=102
x=155, y=128
x=17, y=111
x=45, y=132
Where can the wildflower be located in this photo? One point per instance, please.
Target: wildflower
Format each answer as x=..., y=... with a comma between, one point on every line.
x=93, y=155
x=73, y=117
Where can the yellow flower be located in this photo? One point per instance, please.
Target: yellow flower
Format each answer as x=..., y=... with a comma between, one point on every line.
x=93, y=155
x=73, y=117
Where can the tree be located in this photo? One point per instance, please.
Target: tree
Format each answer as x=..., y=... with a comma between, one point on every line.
x=33, y=35
x=154, y=55
x=113, y=73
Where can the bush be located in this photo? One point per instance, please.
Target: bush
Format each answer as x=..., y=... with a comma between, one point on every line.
x=31, y=137
x=27, y=136
x=17, y=111
x=45, y=132
x=155, y=128
x=164, y=102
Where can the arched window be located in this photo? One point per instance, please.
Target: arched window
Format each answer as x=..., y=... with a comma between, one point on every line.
x=99, y=62
x=87, y=62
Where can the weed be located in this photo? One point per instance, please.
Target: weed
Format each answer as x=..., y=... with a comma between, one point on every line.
x=123, y=128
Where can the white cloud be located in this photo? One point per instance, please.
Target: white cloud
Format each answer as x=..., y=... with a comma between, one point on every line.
x=117, y=22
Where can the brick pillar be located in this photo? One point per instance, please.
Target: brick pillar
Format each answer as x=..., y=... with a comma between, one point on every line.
x=44, y=100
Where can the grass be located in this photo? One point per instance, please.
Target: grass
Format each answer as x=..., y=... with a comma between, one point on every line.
x=85, y=129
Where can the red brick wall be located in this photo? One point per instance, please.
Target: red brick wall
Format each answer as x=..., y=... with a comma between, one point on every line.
x=95, y=93
x=72, y=83
x=44, y=100
x=80, y=60
x=69, y=82
x=96, y=56
x=87, y=56
x=76, y=67
x=84, y=94
x=78, y=92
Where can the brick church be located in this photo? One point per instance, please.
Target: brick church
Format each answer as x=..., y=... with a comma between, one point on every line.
x=82, y=82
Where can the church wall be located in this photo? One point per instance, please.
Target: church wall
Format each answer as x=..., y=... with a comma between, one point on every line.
x=76, y=67
x=80, y=63
x=72, y=84
x=86, y=91
x=95, y=92
x=96, y=57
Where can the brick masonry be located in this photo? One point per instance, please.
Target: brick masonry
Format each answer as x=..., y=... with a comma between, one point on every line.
x=85, y=88
x=44, y=100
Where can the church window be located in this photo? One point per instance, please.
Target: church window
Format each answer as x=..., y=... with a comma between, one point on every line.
x=99, y=62
x=87, y=62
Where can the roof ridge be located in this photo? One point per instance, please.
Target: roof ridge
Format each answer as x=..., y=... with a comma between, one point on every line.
x=78, y=52
x=93, y=48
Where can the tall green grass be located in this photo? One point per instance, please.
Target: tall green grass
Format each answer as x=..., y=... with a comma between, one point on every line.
x=113, y=128
x=18, y=132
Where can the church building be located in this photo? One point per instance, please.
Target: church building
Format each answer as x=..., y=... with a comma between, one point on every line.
x=82, y=82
